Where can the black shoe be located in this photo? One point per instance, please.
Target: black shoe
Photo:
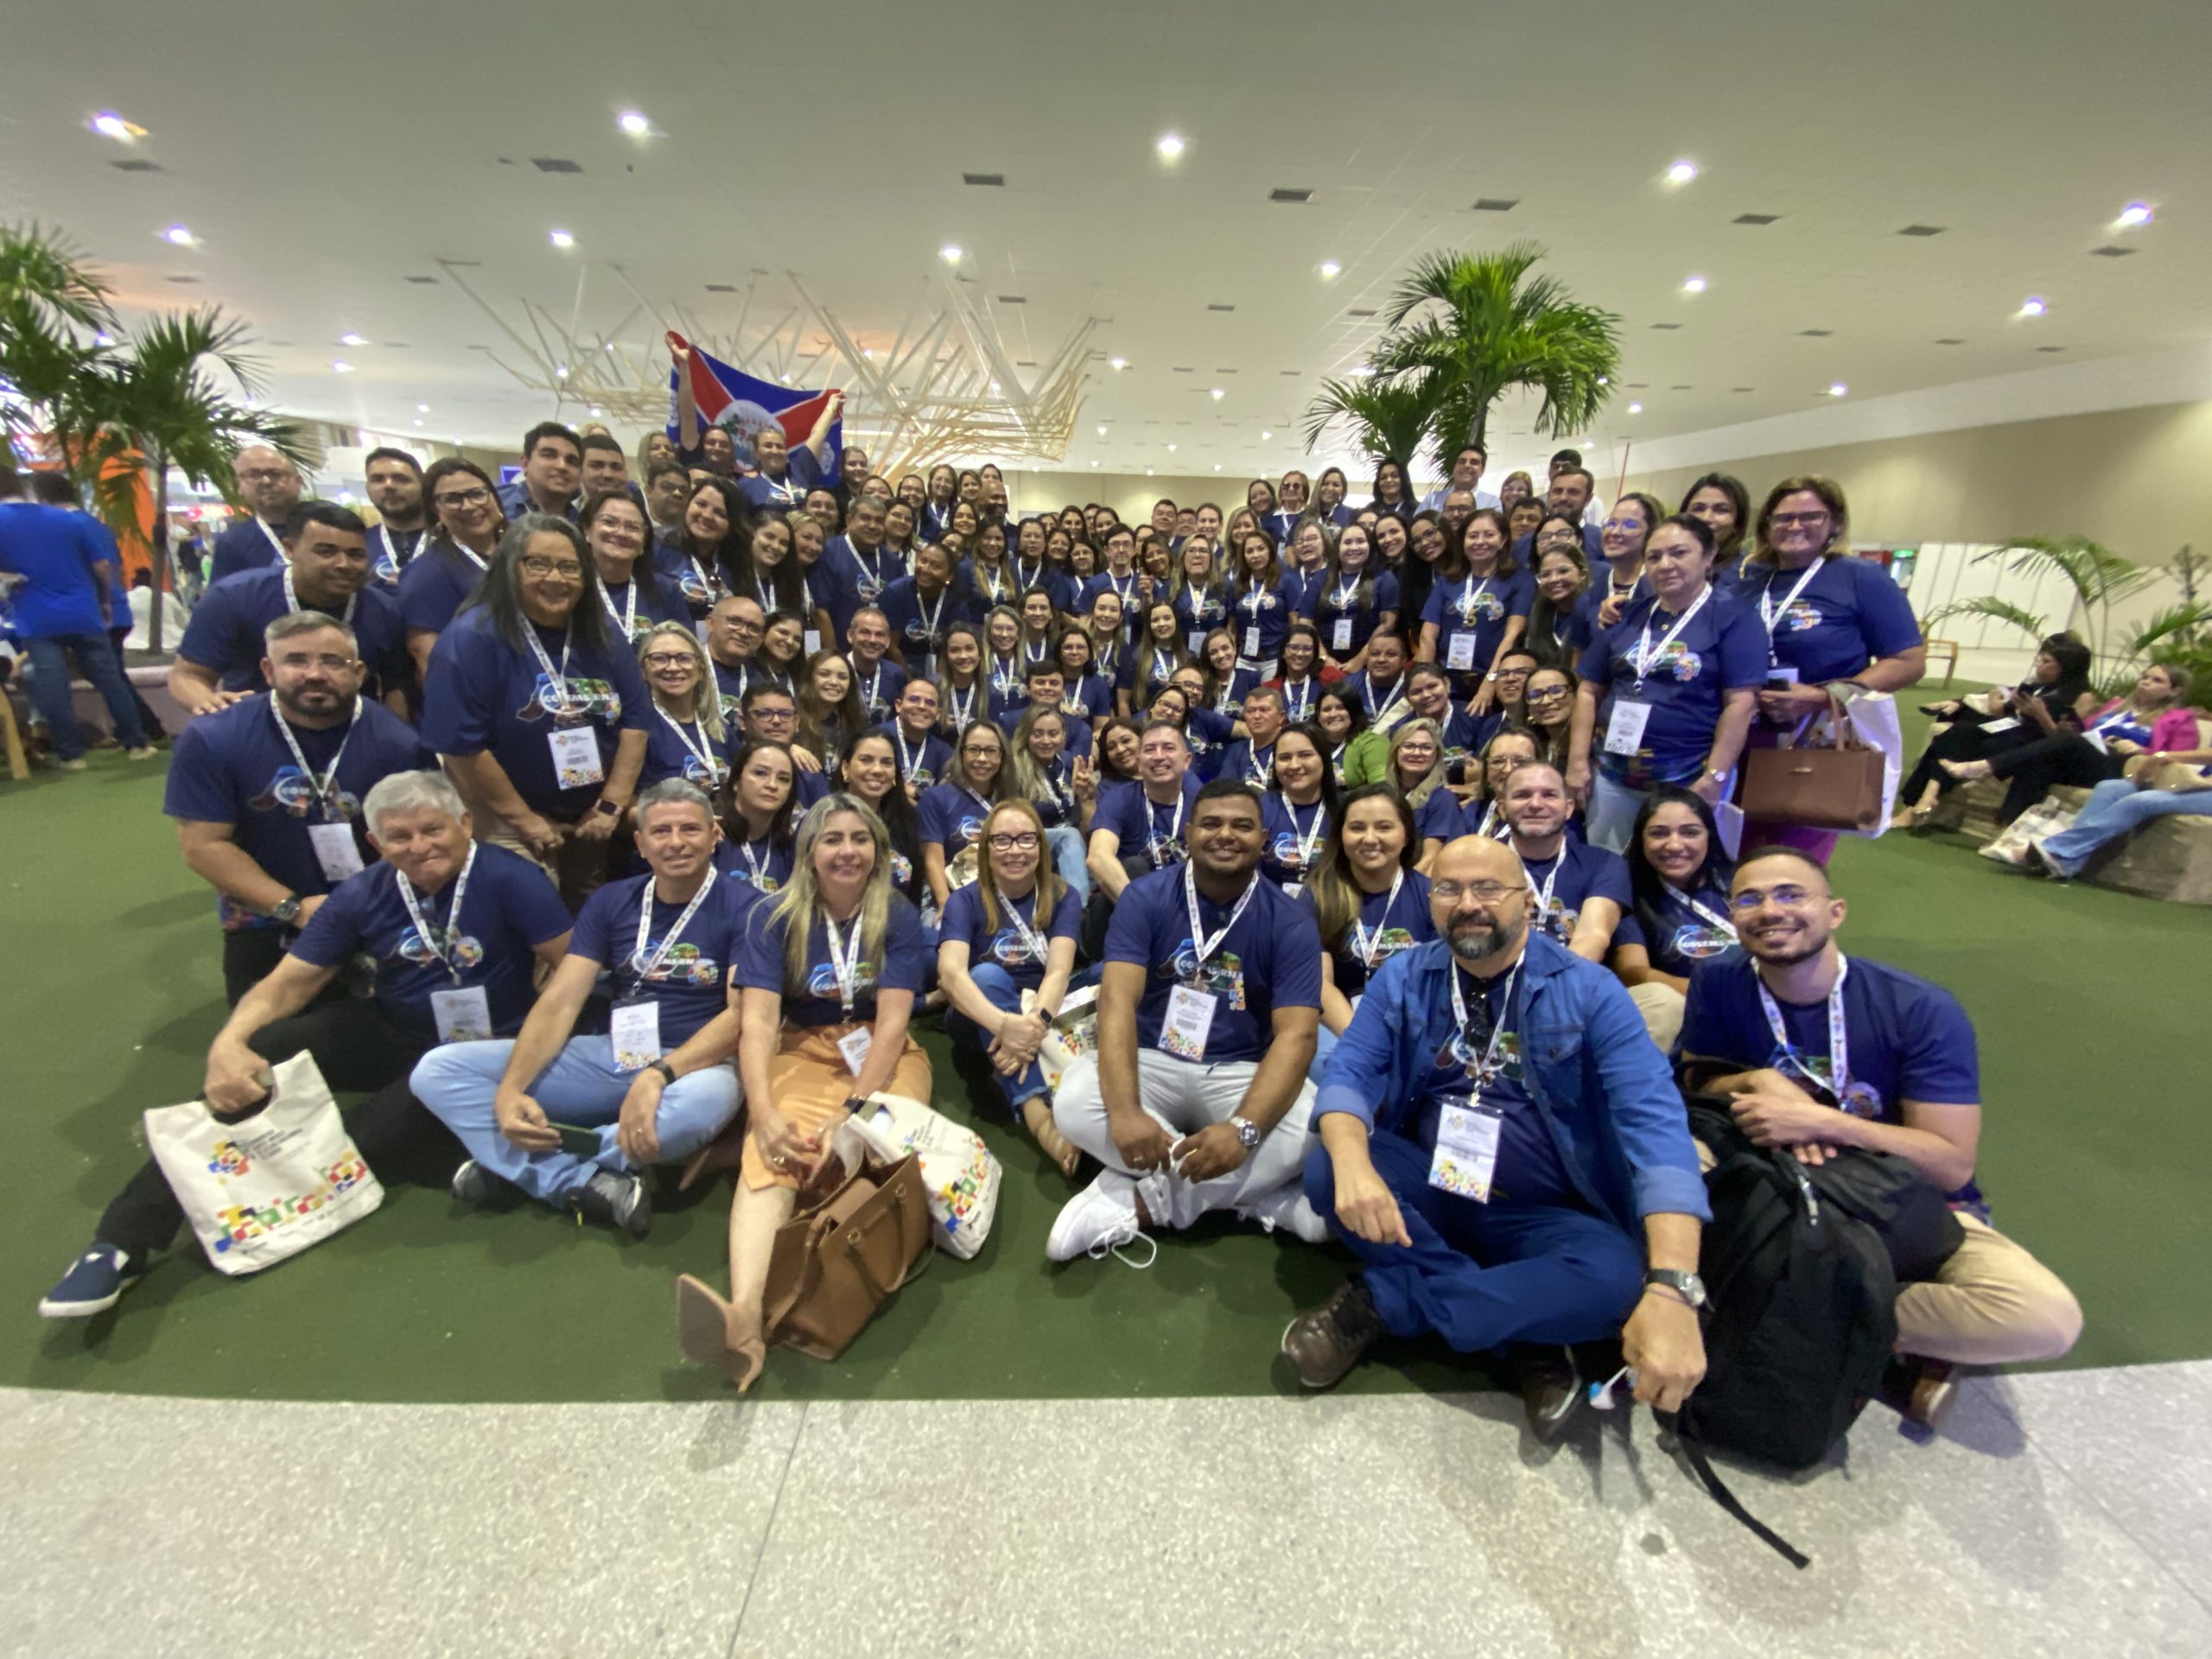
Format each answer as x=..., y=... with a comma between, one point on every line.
x=1551, y=1391
x=617, y=1201
x=1921, y=1391
x=1325, y=1344
x=478, y=1188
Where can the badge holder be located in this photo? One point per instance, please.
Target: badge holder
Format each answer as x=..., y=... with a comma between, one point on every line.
x=576, y=756
x=634, y=1032
x=1465, y=1161
x=1189, y=1022
x=335, y=849
x=1625, y=729
x=463, y=1014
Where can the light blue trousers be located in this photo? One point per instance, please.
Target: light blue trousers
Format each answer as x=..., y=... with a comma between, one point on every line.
x=1068, y=854
x=2113, y=808
x=1611, y=817
x=582, y=1087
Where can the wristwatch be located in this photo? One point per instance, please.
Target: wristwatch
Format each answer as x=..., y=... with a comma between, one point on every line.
x=1248, y=1133
x=667, y=1071
x=1688, y=1284
x=607, y=807
x=1492, y=675
x=856, y=1104
x=286, y=910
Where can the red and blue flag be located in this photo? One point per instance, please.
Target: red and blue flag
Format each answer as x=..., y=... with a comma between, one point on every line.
x=734, y=400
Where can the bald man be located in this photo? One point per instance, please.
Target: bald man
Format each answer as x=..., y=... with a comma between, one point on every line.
x=272, y=488
x=1502, y=1148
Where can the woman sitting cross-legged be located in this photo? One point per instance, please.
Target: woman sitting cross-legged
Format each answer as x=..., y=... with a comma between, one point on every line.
x=1679, y=874
x=2164, y=785
x=1012, y=929
x=2054, y=698
x=826, y=974
x=2149, y=721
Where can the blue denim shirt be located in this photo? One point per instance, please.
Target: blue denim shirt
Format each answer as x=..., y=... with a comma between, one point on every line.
x=1601, y=1084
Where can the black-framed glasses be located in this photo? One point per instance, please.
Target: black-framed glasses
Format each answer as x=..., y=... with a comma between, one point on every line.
x=1485, y=892
x=543, y=568
x=1019, y=840
x=474, y=496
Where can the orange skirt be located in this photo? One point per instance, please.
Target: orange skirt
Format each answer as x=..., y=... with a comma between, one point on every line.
x=809, y=1082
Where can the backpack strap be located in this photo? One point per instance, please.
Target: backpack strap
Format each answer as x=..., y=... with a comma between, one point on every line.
x=1718, y=1491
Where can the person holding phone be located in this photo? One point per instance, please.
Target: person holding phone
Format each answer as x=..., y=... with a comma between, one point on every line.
x=2055, y=697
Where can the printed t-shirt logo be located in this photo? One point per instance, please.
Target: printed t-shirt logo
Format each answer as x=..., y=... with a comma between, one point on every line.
x=290, y=789
x=682, y=965
x=413, y=948
x=1222, y=974
x=587, y=700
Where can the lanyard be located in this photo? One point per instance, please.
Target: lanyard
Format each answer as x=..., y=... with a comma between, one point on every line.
x=292, y=597
x=868, y=573
x=1203, y=946
x=1470, y=596
x=1163, y=664
x=448, y=948
x=1003, y=676
x=275, y=541
x=390, y=549
x=753, y=867
x=1645, y=650
x=1342, y=598
x=907, y=759
x=1032, y=940
x=1050, y=776
x=702, y=750
x=964, y=714
x=1699, y=908
x=1253, y=602
x=326, y=786
x=625, y=619
x=1036, y=651
x=1839, y=1043
x=1174, y=825
x=1489, y=1066
x=558, y=676
x=1543, y=895
x=929, y=619
x=1033, y=577
x=871, y=698
x=1122, y=587
x=646, y=921
x=1367, y=696
x=1493, y=824
x=1771, y=613
x=844, y=960
x=1298, y=707
x=708, y=585
x=1366, y=944
x=1261, y=773
x=1306, y=842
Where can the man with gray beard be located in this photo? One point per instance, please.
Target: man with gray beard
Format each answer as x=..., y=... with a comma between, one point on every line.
x=1502, y=1147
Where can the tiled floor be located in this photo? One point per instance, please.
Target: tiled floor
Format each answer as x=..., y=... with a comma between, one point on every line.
x=2058, y=1513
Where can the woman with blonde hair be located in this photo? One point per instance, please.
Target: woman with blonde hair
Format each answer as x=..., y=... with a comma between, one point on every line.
x=827, y=975
x=1012, y=929
x=1040, y=770
x=686, y=737
x=1416, y=771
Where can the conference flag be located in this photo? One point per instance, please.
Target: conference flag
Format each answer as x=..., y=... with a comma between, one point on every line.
x=740, y=405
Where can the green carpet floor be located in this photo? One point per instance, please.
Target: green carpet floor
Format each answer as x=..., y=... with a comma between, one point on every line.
x=110, y=990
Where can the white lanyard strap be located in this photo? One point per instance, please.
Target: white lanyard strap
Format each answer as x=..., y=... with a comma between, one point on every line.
x=907, y=759
x=275, y=541
x=929, y=619
x=325, y=786
x=1468, y=598
x=1645, y=650
x=1341, y=600
x=446, y=947
x=1174, y=825
x=625, y=619
x=1367, y=696
x=1308, y=840
x=874, y=694
x=844, y=960
x=698, y=745
x=1261, y=773
x=872, y=573
x=1488, y=1069
x=1301, y=705
x=1366, y=944
x=1032, y=940
x=646, y=921
x=558, y=676
x=963, y=712
x=1543, y=895
x=391, y=547
x=1838, y=1039
x=1200, y=942
x=1770, y=612
x=292, y=597
x=753, y=867
x=1700, y=908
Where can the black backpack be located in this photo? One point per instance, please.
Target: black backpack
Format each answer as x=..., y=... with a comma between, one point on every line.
x=1801, y=1321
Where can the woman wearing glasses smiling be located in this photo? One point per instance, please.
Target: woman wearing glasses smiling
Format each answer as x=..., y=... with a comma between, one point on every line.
x=465, y=524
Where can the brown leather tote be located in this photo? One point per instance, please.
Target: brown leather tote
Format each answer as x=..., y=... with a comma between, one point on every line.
x=1836, y=786
x=839, y=1261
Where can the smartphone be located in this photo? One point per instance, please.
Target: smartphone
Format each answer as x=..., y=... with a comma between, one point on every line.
x=577, y=1143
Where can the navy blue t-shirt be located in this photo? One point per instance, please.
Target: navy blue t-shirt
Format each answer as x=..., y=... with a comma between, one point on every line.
x=249, y=544
x=1260, y=619
x=767, y=863
x=1003, y=946
x=1336, y=600
x=813, y=999
x=509, y=909
x=1270, y=959
x=391, y=551
x=1295, y=836
x=1440, y=817
x=1674, y=936
x=1200, y=611
x=233, y=766
x=1145, y=829
x=660, y=599
x=1845, y=617
x=1393, y=922
x=226, y=631
x=1529, y=1169
x=919, y=625
x=1240, y=761
x=690, y=982
x=433, y=586
x=919, y=764
x=1585, y=873
x=1721, y=648
x=673, y=749
x=1475, y=608
x=845, y=579
x=952, y=816
x=877, y=686
x=485, y=695
x=781, y=495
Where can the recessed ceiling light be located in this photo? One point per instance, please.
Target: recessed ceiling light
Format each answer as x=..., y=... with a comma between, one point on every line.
x=351, y=339
x=1170, y=146
x=1264, y=436
x=1147, y=472
x=109, y=124
x=1693, y=285
x=2033, y=307
x=560, y=238
x=1216, y=466
x=1838, y=389
x=181, y=235
x=418, y=422
x=1170, y=448
x=421, y=408
x=1682, y=172
x=1331, y=271
x=1117, y=362
x=1102, y=431
x=1218, y=393
x=596, y=411
x=1635, y=408
x=950, y=253
x=2136, y=213
x=633, y=123
x=994, y=385
x=561, y=372
x=1094, y=463
x=341, y=368
x=609, y=346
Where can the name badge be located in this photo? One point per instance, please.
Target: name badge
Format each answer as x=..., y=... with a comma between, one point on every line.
x=463, y=1014
x=2009, y=723
x=813, y=639
x=1781, y=674
x=1195, y=641
x=1291, y=889
x=1459, y=651
x=1340, y=634
x=1190, y=1020
x=635, y=1033
x=1466, y=1161
x=1625, y=730
x=1252, y=642
x=576, y=756
x=854, y=1046
x=335, y=850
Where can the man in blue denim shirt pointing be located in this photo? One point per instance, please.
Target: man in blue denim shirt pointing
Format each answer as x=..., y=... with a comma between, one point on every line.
x=1503, y=1147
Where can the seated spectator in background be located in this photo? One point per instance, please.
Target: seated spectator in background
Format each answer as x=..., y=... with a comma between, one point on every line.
x=441, y=976
x=1298, y=809
x=770, y=715
x=1581, y=892
x=658, y=1086
x=1369, y=902
x=1503, y=1149
x=1196, y=1098
x=1042, y=772
x=923, y=755
x=2054, y=700
x=2169, y=784
x=1819, y=1055
x=267, y=792
x=2152, y=720
x=826, y=982
x=271, y=487
x=1012, y=929
x=876, y=681
x=1679, y=873
x=327, y=569
x=1337, y=716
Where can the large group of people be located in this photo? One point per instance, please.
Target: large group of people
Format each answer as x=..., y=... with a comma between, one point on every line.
x=1380, y=838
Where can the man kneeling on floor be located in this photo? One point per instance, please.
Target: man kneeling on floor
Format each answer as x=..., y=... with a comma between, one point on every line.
x=1528, y=1176
x=1791, y=1030
x=457, y=932
x=570, y=1120
x=1196, y=1098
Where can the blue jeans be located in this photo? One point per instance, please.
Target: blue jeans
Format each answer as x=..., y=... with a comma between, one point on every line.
x=994, y=982
x=1613, y=807
x=2113, y=809
x=1481, y=1275
x=1068, y=858
x=582, y=1088
x=95, y=654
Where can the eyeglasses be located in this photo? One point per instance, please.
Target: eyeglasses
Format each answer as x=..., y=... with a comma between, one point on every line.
x=1020, y=840
x=475, y=496
x=741, y=624
x=1626, y=526
x=331, y=664
x=980, y=751
x=568, y=569
x=1549, y=694
x=764, y=716
x=667, y=659
x=1751, y=898
x=1798, y=520
x=1486, y=892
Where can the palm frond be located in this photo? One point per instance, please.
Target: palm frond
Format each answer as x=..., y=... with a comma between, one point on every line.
x=1391, y=417
x=1991, y=608
x=45, y=270
x=2097, y=574
x=2176, y=622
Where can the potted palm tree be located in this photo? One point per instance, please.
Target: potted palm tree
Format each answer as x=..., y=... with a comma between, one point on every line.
x=114, y=401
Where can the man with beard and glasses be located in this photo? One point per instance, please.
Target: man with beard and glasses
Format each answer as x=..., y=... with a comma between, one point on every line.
x=1819, y=1052
x=272, y=488
x=1503, y=1149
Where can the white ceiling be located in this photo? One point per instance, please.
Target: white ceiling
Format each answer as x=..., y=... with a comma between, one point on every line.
x=323, y=162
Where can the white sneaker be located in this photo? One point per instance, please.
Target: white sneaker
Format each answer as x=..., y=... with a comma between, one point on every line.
x=1102, y=1217
x=1288, y=1207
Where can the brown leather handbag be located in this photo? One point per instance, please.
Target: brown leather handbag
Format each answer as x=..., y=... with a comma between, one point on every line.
x=1836, y=785
x=835, y=1265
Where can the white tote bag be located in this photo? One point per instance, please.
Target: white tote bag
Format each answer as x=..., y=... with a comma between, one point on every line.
x=1874, y=721
x=1071, y=1037
x=957, y=1168
x=256, y=1190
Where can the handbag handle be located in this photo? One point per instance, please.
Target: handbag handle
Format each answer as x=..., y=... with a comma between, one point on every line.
x=1842, y=727
x=856, y=1234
